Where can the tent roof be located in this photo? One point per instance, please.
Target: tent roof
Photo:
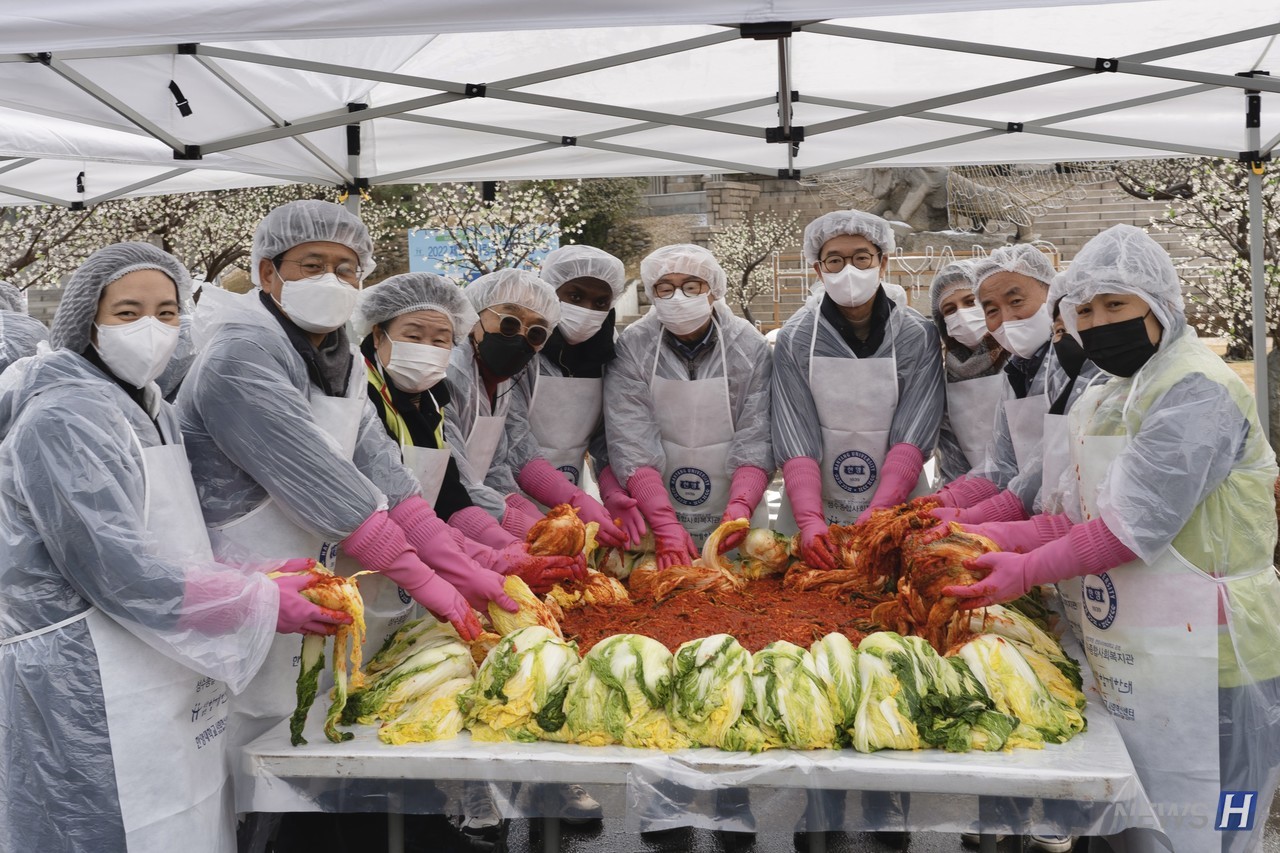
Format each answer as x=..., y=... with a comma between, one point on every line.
x=89, y=96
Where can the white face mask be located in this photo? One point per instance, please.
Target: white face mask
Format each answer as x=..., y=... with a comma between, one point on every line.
x=1024, y=337
x=578, y=323
x=319, y=304
x=851, y=287
x=967, y=326
x=681, y=314
x=416, y=367
x=137, y=352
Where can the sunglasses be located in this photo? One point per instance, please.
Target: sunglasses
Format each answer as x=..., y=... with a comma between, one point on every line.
x=510, y=326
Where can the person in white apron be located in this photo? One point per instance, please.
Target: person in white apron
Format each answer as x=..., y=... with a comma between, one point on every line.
x=686, y=406
x=858, y=389
x=1175, y=531
x=286, y=451
x=121, y=640
x=1012, y=285
x=407, y=325
x=973, y=362
x=558, y=413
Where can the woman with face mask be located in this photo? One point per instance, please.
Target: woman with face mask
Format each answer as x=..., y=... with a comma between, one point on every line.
x=857, y=387
x=972, y=360
x=562, y=400
x=1170, y=529
x=121, y=639
x=686, y=406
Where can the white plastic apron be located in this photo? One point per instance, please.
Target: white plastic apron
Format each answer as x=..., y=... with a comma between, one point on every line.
x=1055, y=461
x=856, y=399
x=1151, y=634
x=563, y=414
x=697, y=474
x=971, y=406
x=166, y=722
x=1026, y=425
x=486, y=430
x=266, y=533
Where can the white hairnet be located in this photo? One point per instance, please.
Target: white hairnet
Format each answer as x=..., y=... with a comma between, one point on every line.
x=686, y=259
x=413, y=291
x=515, y=287
x=570, y=262
x=19, y=335
x=822, y=229
x=1122, y=259
x=1022, y=258
x=310, y=221
x=957, y=275
x=79, y=305
x=11, y=298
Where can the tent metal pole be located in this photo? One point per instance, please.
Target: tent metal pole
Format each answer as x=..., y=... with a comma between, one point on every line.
x=112, y=103
x=27, y=194
x=616, y=60
x=1257, y=261
x=900, y=152
x=17, y=164
x=397, y=177
x=146, y=182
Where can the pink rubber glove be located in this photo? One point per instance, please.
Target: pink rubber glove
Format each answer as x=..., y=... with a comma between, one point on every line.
x=1088, y=549
x=521, y=514
x=216, y=601
x=1020, y=536
x=898, y=476
x=1005, y=506
x=965, y=491
x=552, y=487
x=433, y=540
x=379, y=545
x=477, y=525
x=745, y=491
x=804, y=491
x=675, y=545
x=622, y=507
x=298, y=615
x=540, y=573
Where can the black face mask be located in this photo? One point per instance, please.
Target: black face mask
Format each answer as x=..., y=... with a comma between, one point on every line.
x=1070, y=355
x=1119, y=348
x=504, y=356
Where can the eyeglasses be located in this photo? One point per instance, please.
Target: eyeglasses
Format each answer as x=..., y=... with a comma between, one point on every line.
x=666, y=290
x=862, y=260
x=347, y=271
x=510, y=326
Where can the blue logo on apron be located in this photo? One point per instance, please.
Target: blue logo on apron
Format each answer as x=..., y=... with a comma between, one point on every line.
x=569, y=471
x=854, y=471
x=1099, y=600
x=405, y=598
x=690, y=486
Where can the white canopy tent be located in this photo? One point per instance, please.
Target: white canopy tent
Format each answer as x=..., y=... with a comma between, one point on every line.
x=101, y=100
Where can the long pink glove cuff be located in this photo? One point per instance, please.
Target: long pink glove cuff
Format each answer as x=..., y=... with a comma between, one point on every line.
x=418, y=521
x=521, y=515
x=804, y=490
x=378, y=543
x=545, y=483
x=608, y=483
x=477, y=551
x=650, y=495
x=1050, y=527
x=901, y=472
x=1003, y=507
x=966, y=491
x=1097, y=548
x=745, y=490
x=475, y=523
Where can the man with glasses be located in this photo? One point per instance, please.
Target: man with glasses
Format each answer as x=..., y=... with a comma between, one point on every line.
x=857, y=387
x=289, y=457
x=686, y=406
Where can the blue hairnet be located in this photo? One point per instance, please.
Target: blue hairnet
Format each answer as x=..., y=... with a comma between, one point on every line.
x=310, y=221
x=413, y=291
x=570, y=262
x=79, y=305
x=11, y=298
x=687, y=259
x=874, y=228
x=515, y=287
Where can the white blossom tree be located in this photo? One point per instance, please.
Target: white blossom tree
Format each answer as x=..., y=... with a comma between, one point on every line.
x=1209, y=206
x=500, y=233
x=744, y=249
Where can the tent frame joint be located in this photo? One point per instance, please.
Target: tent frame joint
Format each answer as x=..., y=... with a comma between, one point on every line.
x=188, y=48
x=789, y=174
x=767, y=30
x=568, y=141
x=476, y=90
x=1013, y=127
x=782, y=133
x=1106, y=65
x=188, y=152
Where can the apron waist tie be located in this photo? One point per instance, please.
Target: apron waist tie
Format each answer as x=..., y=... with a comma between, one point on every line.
x=48, y=628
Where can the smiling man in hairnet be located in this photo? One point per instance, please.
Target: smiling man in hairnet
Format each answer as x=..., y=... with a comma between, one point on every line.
x=287, y=451
x=686, y=406
x=857, y=386
x=120, y=636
